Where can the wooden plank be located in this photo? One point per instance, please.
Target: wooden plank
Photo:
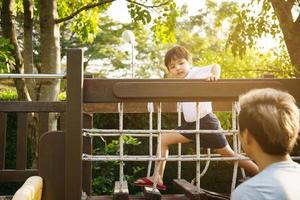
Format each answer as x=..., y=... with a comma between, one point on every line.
x=121, y=193
x=151, y=194
x=190, y=191
x=32, y=106
x=3, y=122
x=11, y=175
x=87, y=148
x=73, y=142
x=145, y=90
x=21, y=157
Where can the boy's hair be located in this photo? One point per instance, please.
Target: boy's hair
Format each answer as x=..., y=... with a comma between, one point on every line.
x=177, y=52
x=272, y=118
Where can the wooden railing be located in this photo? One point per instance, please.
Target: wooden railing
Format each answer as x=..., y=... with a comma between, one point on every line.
x=22, y=109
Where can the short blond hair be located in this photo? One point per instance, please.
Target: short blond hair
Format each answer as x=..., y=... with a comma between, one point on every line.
x=272, y=117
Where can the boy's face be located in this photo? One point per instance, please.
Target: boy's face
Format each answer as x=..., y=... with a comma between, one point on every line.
x=179, y=68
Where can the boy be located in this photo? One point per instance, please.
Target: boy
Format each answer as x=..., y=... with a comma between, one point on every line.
x=269, y=127
x=178, y=61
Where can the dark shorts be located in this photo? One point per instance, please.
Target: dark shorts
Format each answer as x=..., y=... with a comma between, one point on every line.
x=207, y=140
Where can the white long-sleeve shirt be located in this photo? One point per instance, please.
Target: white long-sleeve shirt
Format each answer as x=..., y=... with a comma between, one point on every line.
x=189, y=108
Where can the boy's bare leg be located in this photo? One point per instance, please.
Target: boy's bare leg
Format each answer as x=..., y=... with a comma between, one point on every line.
x=166, y=140
x=248, y=165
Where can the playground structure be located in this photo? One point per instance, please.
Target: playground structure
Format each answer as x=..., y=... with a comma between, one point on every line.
x=65, y=155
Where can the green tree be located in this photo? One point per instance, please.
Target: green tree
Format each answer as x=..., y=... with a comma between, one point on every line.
x=277, y=18
x=205, y=36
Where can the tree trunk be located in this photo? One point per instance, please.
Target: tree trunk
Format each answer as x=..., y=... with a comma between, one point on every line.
x=28, y=47
x=50, y=53
x=290, y=30
x=33, y=128
x=8, y=25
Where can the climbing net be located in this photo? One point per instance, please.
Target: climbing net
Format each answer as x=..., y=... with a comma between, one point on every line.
x=153, y=134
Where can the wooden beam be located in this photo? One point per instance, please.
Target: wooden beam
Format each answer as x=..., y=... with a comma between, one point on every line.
x=121, y=193
x=32, y=106
x=170, y=90
x=12, y=175
x=151, y=194
x=189, y=190
x=73, y=142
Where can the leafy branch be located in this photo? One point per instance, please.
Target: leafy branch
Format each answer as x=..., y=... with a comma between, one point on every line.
x=102, y=2
x=86, y=7
x=148, y=6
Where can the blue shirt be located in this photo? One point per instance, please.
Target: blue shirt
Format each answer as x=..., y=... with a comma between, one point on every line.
x=279, y=181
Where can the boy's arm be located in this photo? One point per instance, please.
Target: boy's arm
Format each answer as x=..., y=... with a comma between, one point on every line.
x=215, y=72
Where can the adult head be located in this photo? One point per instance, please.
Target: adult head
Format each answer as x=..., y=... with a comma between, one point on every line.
x=271, y=117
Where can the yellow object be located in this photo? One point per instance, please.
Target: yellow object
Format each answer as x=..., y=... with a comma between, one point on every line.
x=30, y=190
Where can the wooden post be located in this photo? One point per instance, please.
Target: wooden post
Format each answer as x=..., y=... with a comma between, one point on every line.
x=21, y=157
x=3, y=121
x=73, y=138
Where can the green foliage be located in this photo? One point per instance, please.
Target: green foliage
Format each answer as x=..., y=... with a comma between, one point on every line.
x=225, y=119
x=6, y=57
x=210, y=46
x=62, y=96
x=8, y=95
x=105, y=46
x=250, y=24
x=255, y=64
x=84, y=26
x=203, y=34
x=103, y=41
x=105, y=172
x=138, y=13
x=165, y=25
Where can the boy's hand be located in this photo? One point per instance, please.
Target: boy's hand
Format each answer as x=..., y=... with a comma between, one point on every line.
x=214, y=73
x=212, y=77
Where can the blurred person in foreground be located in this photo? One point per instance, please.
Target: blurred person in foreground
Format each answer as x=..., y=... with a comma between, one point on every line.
x=269, y=127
